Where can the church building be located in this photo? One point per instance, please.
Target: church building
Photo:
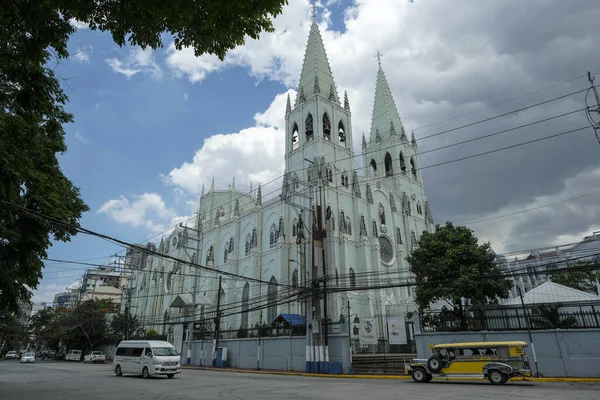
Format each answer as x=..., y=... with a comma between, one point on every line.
x=331, y=222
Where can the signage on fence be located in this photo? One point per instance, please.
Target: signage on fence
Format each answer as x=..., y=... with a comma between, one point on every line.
x=368, y=331
x=396, y=330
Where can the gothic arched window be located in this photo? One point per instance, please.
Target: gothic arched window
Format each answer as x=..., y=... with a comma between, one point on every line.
x=273, y=236
x=413, y=168
x=342, y=133
x=245, y=305
x=248, y=245
x=272, y=300
x=373, y=168
x=381, y=212
x=225, y=252
x=295, y=142
x=295, y=228
x=389, y=171
x=402, y=164
x=295, y=279
x=352, y=278
x=398, y=236
x=326, y=127
x=419, y=208
x=309, y=127
x=348, y=226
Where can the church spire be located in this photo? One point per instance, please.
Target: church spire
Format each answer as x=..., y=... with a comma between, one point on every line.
x=288, y=105
x=385, y=114
x=316, y=72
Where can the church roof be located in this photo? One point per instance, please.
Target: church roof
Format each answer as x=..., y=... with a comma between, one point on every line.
x=316, y=65
x=550, y=292
x=385, y=111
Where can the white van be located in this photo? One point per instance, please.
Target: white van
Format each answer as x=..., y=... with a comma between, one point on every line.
x=73, y=355
x=146, y=358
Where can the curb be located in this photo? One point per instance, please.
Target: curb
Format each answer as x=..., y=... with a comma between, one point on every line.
x=390, y=377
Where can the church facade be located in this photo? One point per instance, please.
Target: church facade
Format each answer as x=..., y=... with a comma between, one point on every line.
x=332, y=222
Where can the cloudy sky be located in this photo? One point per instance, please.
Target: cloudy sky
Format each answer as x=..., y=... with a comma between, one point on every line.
x=152, y=126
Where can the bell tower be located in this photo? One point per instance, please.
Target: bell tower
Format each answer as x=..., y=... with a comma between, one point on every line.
x=318, y=124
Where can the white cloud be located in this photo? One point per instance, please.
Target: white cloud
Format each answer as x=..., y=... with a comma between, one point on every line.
x=143, y=210
x=79, y=136
x=185, y=63
x=45, y=292
x=83, y=54
x=252, y=154
x=78, y=24
x=138, y=60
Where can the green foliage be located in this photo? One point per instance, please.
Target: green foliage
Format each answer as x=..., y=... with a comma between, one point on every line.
x=549, y=318
x=579, y=277
x=450, y=265
x=242, y=333
x=122, y=327
x=33, y=40
x=151, y=333
x=81, y=327
x=12, y=334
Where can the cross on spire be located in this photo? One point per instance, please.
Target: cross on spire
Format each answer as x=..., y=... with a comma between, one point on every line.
x=378, y=56
x=313, y=11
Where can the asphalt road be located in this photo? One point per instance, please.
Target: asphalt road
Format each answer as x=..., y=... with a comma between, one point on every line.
x=75, y=381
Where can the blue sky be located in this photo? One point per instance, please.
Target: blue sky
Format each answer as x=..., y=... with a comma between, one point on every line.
x=152, y=126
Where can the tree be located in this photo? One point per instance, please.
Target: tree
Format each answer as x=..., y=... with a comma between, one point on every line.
x=125, y=327
x=450, y=265
x=579, y=276
x=549, y=317
x=33, y=40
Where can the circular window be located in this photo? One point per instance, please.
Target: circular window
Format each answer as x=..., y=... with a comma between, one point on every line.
x=386, y=249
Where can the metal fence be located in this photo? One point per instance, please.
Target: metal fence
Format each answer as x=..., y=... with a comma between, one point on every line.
x=512, y=319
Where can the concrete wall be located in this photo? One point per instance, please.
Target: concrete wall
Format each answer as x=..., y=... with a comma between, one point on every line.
x=278, y=353
x=560, y=352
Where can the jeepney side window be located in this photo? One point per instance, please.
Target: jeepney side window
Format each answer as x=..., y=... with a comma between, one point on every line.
x=503, y=352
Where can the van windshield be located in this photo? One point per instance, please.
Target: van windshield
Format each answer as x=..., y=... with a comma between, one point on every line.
x=164, y=351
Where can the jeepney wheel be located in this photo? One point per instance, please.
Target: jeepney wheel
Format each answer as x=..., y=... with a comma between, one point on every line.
x=496, y=377
x=419, y=375
x=434, y=363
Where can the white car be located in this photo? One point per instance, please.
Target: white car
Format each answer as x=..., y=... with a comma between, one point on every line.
x=12, y=355
x=95, y=357
x=28, y=358
x=73, y=355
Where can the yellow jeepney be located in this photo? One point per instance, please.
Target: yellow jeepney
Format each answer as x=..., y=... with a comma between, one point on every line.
x=496, y=361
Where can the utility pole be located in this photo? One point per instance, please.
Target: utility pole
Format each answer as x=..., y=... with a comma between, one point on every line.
x=217, y=324
x=537, y=369
x=595, y=92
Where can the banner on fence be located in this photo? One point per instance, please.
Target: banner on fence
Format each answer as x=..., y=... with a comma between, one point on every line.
x=396, y=330
x=368, y=331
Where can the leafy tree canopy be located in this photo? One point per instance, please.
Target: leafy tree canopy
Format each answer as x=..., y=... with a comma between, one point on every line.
x=579, y=277
x=125, y=327
x=33, y=40
x=450, y=265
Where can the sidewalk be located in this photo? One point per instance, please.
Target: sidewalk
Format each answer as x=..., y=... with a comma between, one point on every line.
x=397, y=377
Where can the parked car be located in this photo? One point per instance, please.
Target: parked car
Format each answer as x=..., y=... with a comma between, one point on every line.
x=73, y=355
x=95, y=357
x=28, y=358
x=12, y=355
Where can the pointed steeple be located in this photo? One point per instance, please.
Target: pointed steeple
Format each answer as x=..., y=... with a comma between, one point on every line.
x=316, y=72
x=212, y=185
x=346, y=102
x=288, y=106
x=413, y=140
x=202, y=192
x=385, y=112
x=259, y=197
x=233, y=184
x=364, y=142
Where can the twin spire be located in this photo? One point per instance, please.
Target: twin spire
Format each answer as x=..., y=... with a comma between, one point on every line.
x=386, y=119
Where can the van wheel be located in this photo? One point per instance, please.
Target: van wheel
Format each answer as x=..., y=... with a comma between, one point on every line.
x=419, y=375
x=118, y=371
x=145, y=373
x=170, y=376
x=496, y=377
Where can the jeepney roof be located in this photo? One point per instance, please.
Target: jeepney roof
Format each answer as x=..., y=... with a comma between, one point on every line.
x=478, y=344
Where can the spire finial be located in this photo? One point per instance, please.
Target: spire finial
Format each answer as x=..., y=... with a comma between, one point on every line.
x=378, y=56
x=288, y=106
x=346, y=102
x=233, y=183
x=313, y=11
x=212, y=185
x=413, y=139
x=202, y=193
